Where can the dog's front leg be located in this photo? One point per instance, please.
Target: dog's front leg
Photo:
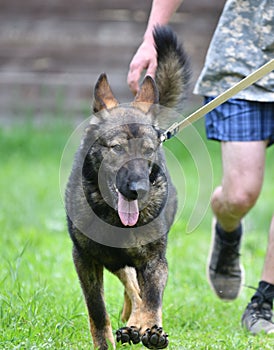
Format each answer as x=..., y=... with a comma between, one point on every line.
x=132, y=307
x=152, y=281
x=145, y=297
x=91, y=278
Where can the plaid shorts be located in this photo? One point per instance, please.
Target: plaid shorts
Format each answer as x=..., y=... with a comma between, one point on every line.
x=241, y=120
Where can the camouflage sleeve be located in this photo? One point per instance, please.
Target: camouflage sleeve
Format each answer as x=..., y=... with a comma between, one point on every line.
x=243, y=41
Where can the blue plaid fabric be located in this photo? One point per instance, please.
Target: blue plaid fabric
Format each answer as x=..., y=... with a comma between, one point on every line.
x=241, y=120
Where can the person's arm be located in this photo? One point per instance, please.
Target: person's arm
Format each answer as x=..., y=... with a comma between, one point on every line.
x=146, y=56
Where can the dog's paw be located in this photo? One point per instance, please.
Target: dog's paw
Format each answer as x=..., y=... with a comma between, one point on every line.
x=128, y=335
x=155, y=338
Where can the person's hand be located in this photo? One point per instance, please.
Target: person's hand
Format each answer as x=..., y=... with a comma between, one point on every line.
x=144, y=59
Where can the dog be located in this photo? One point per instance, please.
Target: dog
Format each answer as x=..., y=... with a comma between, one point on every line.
x=120, y=201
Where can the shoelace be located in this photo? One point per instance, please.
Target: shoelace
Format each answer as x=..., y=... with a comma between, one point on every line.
x=261, y=307
x=260, y=311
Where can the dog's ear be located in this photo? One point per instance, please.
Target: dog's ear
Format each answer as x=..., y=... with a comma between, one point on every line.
x=147, y=95
x=103, y=95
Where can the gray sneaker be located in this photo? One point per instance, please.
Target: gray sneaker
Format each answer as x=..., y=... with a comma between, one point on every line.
x=258, y=318
x=225, y=273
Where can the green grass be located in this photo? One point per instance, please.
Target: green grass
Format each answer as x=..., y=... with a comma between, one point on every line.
x=41, y=305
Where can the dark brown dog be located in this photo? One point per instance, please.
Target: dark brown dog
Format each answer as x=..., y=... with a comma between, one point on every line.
x=120, y=201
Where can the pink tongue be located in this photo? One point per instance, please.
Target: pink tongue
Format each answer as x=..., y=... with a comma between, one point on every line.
x=128, y=210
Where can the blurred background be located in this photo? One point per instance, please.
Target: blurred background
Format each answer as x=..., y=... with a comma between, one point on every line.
x=52, y=52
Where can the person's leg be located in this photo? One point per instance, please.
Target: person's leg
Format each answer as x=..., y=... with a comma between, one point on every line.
x=249, y=122
x=268, y=270
x=258, y=313
x=243, y=170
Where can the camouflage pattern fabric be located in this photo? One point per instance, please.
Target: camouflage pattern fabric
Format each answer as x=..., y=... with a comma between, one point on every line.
x=243, y=41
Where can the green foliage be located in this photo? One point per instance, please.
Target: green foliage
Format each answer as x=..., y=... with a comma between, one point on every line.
x=41, y=305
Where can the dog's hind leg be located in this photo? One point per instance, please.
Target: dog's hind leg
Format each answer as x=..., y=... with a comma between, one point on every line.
x=91, y=278
x=132, y=301
x=126, y=312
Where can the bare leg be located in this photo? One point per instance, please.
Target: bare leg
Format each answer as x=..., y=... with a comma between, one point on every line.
x=258, y=313
x=243, y=167
x=268, y=269
x=243, y=171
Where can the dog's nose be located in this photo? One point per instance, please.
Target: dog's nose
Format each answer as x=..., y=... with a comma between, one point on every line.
x=139, y=189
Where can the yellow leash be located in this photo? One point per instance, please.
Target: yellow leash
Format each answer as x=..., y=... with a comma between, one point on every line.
x=243, y=84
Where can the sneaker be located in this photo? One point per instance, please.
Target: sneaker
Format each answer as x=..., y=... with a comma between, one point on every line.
x=225, y=273
x=258, y=318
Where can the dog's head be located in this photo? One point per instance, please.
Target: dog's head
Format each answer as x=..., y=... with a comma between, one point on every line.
x=126, y=151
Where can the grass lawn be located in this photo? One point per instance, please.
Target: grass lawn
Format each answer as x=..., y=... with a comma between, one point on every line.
x=41, y=305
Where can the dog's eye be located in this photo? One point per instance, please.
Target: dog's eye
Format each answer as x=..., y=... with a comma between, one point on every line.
x=148, y=151
x=117, y=148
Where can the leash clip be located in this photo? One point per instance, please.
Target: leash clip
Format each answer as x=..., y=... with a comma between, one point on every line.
x=170, y=132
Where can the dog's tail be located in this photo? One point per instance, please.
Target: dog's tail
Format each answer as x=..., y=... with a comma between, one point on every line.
x=173, y=71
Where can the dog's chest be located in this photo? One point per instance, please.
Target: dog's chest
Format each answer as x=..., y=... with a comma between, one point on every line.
x=115, y=258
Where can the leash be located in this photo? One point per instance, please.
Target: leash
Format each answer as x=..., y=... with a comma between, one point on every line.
x=243, y=84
